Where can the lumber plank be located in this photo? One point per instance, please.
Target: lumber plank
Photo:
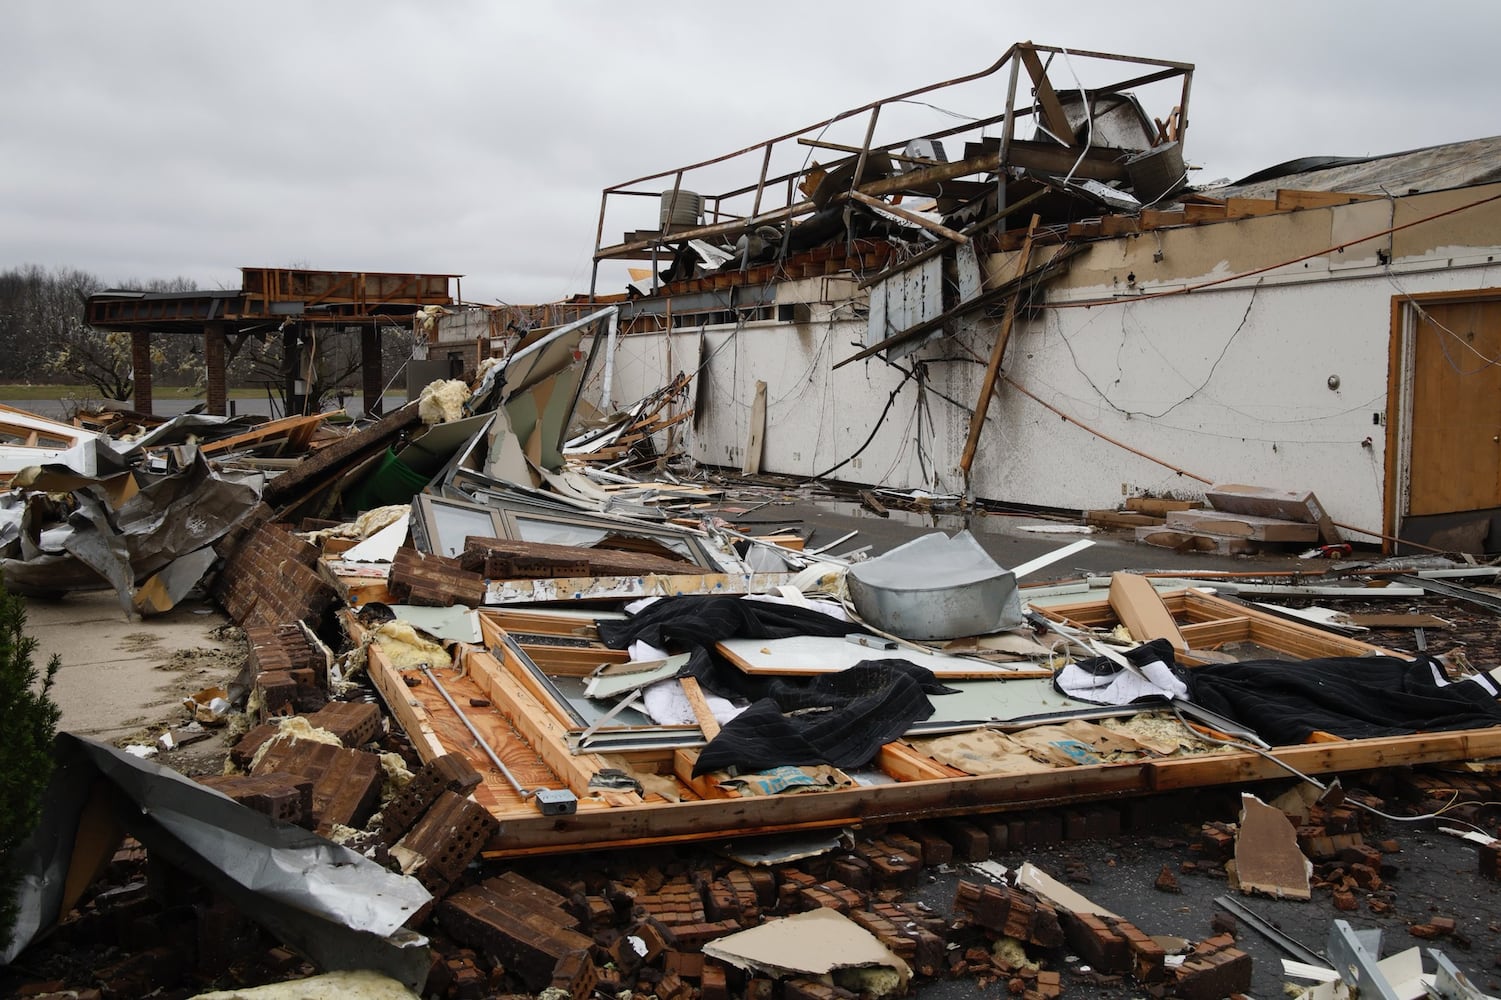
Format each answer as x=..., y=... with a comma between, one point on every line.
x=997, y=355
x=572, y=661
x=1208, y=635
x=577, y=625
x=299, y=428
x=1135, y=600
x=904, y=763
x=1303, y=641
x=1289, y=200
x=404, y=706
x=707, y=724
x=1160, y=506
x=1156, y=218
x=704, y=786
x=1203, y=213
x=1245, y=208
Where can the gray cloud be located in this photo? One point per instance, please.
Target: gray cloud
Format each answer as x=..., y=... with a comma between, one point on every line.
x=159, y=139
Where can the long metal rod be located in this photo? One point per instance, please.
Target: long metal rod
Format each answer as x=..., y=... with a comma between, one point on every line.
x=1454, y=590
x=1291, y=945
x=525, y=793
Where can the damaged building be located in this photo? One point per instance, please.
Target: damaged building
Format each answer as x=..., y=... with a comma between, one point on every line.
x=1327, y=322
x=504, y=624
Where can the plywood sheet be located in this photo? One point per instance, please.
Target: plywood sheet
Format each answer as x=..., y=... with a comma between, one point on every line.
x=814, y=654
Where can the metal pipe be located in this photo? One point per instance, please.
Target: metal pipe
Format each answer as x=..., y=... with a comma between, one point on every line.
x=1262, y=926
x=525, y=793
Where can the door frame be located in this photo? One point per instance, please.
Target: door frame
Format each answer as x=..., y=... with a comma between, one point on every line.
x=1400, y=374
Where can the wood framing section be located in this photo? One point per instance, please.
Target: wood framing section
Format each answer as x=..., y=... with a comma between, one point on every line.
x=1205, y=622
x=916, y=799
x=527, y=732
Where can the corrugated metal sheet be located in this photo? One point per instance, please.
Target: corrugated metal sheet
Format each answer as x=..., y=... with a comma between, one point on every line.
x=903, y=301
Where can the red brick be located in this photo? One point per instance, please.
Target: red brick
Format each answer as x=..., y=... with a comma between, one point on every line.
x=526, y=940
x=346, y=783
x=276, y=692
x=286, y=797
x=576, y=975
x=447, y=837
x=355, y=723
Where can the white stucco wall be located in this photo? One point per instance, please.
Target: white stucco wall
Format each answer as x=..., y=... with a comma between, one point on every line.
x=1229, y=383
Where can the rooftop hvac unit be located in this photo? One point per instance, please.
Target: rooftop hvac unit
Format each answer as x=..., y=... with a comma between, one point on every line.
x=680, y=209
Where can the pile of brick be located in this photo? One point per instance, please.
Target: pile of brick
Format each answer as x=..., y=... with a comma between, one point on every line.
x=433, y=581
x=271, y=578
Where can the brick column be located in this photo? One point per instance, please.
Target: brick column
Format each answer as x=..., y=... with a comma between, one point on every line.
x=213, y=358
x=140, y=364
x=372, y=375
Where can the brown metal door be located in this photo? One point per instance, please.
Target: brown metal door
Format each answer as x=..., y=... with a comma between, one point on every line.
x=1455, y=459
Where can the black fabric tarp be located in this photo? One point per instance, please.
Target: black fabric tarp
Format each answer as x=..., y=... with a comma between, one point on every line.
x=840, y=719
x=1350, y=697
x=702, y=621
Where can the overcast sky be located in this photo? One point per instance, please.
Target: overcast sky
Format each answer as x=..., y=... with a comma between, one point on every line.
x=160, y=139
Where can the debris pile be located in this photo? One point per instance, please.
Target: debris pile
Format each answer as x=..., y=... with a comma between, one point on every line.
x=509, y=623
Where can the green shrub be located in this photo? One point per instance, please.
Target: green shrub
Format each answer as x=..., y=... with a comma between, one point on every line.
x=28, y=723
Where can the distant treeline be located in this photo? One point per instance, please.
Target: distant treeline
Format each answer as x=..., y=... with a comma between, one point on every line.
x=44, y=339
x=42, y=318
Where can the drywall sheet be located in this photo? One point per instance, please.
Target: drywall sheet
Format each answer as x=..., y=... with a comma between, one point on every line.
x=816, y=654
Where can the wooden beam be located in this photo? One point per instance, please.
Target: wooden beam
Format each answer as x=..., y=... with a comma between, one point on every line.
x=1135, y=600
x=1054, y=119
x=912, y=217
x=536, y=724
x=297, y=430
x=997, y=352
x=707, y=724
x=1288, y=201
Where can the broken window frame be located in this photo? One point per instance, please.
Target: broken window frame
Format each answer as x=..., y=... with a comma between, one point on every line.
x=585, y=734
x=506, y=521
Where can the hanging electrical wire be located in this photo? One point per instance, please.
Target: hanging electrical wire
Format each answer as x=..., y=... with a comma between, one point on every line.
x=866, y=444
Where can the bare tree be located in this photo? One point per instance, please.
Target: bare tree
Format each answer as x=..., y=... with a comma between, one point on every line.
x=99, y=358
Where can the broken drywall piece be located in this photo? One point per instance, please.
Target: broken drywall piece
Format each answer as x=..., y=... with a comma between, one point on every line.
x=506, y=461
x=821, y=942
x=381, y=546
x=1267, y=857
x=1029, y=876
